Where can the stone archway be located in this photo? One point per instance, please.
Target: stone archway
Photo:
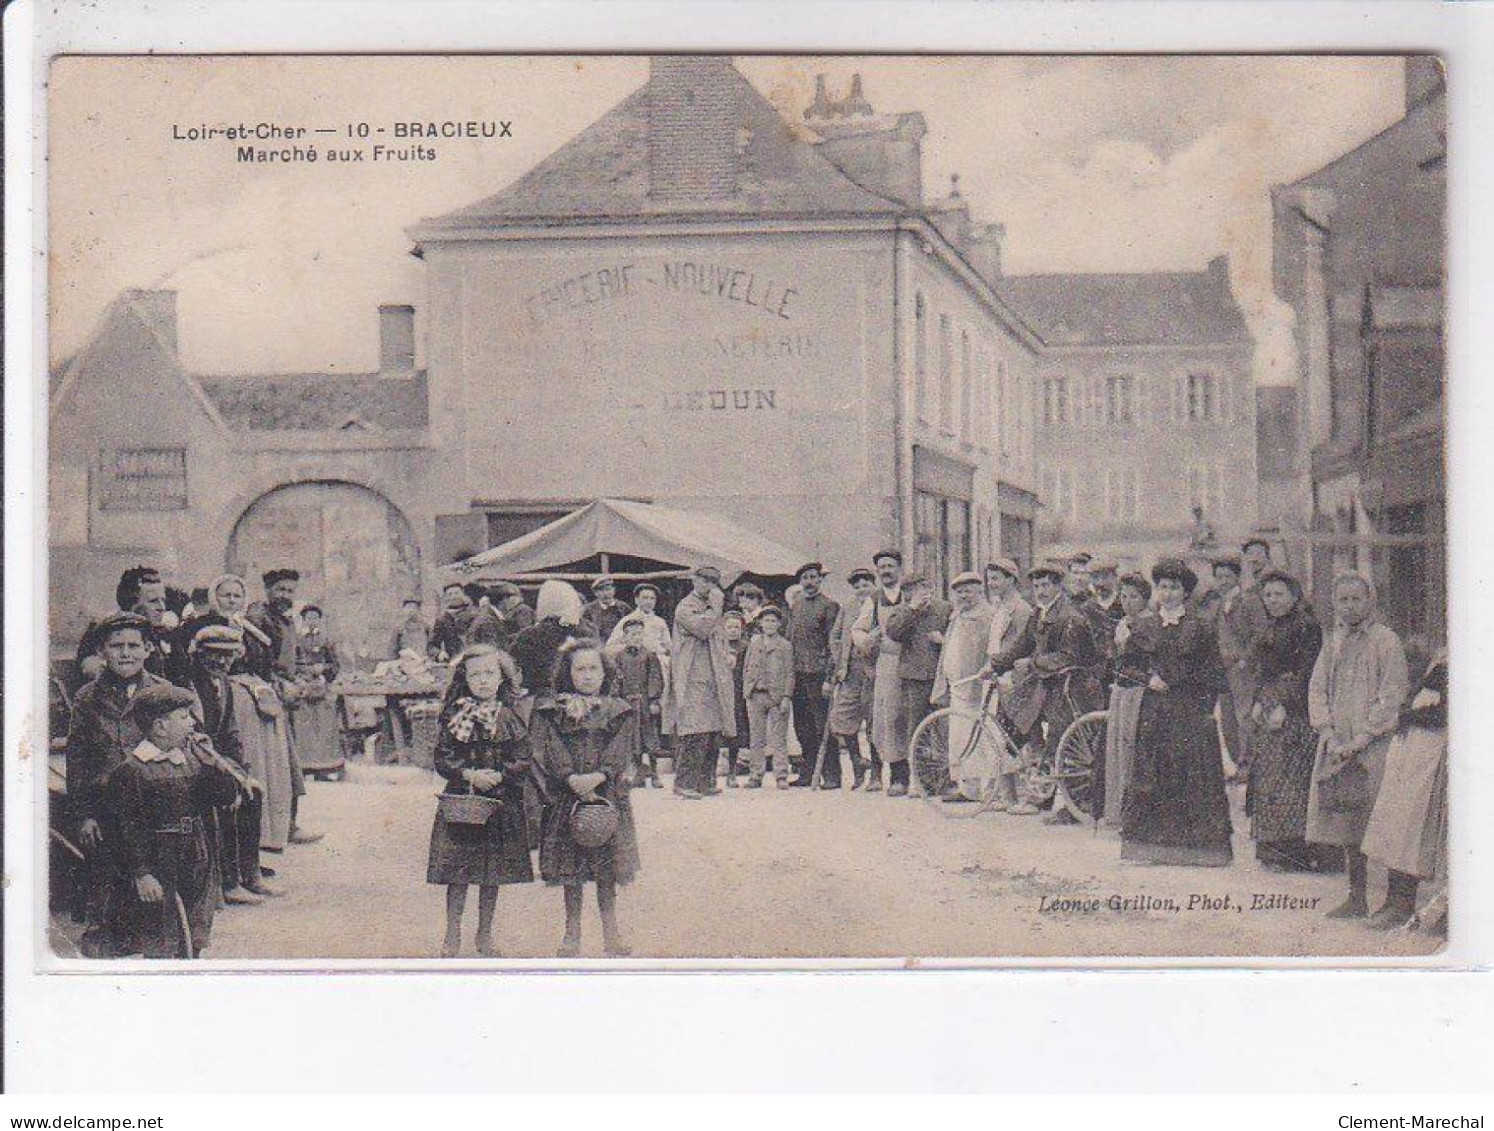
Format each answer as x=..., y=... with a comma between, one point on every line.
x=356, y=553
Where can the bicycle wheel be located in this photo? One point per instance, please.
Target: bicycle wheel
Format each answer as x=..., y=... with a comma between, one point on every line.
x=1080, y=756
x=929, y=752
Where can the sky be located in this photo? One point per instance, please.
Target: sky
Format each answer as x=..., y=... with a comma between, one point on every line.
x=1092, y=163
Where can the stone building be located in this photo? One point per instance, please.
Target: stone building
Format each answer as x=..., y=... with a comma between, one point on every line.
x=1145, y=407
x=337, y=475
x=694, y=303
x=1359, y=255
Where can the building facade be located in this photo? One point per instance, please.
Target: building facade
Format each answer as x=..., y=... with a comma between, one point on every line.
x=692, y=304
x=1359, y=254
x=1144, y=408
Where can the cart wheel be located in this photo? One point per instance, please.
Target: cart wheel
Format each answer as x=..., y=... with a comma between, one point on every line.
x=929, y=752
x=1081, y=755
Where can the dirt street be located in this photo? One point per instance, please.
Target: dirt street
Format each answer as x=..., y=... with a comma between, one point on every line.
x=766, y=874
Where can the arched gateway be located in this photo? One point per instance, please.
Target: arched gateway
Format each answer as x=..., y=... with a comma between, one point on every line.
x=356, y=553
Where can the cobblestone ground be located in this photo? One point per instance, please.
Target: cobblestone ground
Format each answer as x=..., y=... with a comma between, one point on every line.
x=769, y=874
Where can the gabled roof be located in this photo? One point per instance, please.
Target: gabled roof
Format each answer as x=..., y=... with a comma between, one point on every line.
x=1188, y=308
x=320, y=402
x=602, y=173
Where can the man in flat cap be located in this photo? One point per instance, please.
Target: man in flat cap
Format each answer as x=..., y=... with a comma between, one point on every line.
x=277, y=667
x=213, y=650
x=1056, y=681
x=811, y=619
x=700, y=705
x=603, y=612
x=961, y=663
x=851, y=685
x=917, y=626
x=100, y=735
x=889, y=729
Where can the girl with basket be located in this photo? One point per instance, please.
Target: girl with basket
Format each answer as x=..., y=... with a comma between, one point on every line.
x=581, y=739
x=479, y=836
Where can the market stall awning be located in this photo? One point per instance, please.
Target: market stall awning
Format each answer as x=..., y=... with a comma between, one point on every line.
x=602, y=534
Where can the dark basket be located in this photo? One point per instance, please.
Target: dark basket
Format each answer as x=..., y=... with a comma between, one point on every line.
x=593, y=823
x=467, y=808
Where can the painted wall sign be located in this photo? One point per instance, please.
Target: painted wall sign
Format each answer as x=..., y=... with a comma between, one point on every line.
x=143, y=479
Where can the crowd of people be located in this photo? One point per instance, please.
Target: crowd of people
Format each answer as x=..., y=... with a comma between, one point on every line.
x=187, y=745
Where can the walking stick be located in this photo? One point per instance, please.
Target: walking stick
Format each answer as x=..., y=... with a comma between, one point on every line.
x=819, y=758
x=67, y=844
x=184, y=946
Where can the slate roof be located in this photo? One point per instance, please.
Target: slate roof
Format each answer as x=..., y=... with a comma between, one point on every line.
x=1187, y=308
x=308, y=402
x=602, y=173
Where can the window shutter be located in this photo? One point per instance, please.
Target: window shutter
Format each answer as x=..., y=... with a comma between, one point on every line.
x=1224, y=383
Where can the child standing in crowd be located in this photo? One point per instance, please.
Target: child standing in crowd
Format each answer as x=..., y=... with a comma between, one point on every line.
x=161, y=796
x=640, y=680
x=736, y=653
x=480, y=751
x=581, y=741
x=768, y=684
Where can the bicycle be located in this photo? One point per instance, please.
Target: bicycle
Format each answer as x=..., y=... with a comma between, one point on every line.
x=1070, y=777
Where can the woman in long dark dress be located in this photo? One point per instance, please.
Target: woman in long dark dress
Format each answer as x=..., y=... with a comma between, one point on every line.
x=581, y=741
x=1282, y=741
x=481, y=749
x=1175, y=809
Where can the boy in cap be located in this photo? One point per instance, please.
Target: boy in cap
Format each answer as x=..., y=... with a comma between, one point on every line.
x=768, y=684
x=162, y=796
x=100, y=735
x=640, y=680
x=811, y=619
x=603, y=613
x=655, y=627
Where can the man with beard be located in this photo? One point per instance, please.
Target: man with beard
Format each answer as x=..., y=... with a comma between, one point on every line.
x=276, y=665
x=811, y=619
x=1102, y=608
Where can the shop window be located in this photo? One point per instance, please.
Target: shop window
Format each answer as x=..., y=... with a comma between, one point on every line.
x=941, y=529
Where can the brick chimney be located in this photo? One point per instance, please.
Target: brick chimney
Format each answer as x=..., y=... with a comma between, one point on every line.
x=693, y=120
x=883, y=153
x=396, y=339
x=1424, y=79
x=984, y=252
x=952, y=216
